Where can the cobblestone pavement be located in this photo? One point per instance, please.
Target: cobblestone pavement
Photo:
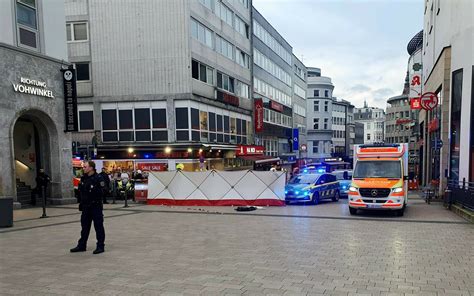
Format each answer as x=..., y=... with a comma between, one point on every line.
x=294, y=250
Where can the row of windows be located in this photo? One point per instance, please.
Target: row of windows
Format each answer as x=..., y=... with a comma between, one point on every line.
x=375, y=125
x=338, y=134
x=397, y=140
x=397, y=128
x=271, y=92
x=326, y=146
x=398, y=115
x=134, y=124
x=339, y=108
x=205, y=74
x=338, y=120
x=316, y=125
x=222, y=46
x=378, y=137
x=226, y=14
x=299, y=110
x=271, y=146
x=316, y=93
x=277, y=118
x=196, y=125
x=299, y=91
x=271, y=42
x=268, y=65
x=316, y=106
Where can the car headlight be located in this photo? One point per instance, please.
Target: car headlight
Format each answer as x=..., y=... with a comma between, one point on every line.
x=306, y=193
x=286, y=191
x=397, y=189
x=344, y=187
x=353, y=189
x=297, y=192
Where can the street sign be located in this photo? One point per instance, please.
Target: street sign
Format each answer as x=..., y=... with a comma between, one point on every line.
x=429, y=101
x=296, y=137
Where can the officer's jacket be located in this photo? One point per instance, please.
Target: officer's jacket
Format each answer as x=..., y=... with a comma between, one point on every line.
x=91, y=190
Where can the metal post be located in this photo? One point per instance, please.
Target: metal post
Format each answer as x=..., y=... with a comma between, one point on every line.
x=44, y=202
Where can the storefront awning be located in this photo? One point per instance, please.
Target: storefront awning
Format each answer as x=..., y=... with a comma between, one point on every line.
x=260, y=158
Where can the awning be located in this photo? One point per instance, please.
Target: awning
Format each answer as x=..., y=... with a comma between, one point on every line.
x=258, y=159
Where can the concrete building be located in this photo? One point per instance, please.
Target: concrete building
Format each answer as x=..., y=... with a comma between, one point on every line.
x=373, y=119
x=359, y=133
x=32, y=113
x=319, y=114
x=180, y=83
x=342, y=129
x=273, y=84
x=299, y=104
x=448, y=72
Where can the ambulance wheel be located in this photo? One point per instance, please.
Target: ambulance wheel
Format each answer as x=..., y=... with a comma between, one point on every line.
x=315, y=198
x=353, y=211
x=336, y=196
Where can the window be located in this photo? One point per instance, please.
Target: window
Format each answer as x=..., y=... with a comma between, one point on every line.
x=26, y=18
x=242, y=58
x=326, y=106
x=201, y=33
x=86, y=120
x=268, y=65
x=270, y=92
x=315, y=146
x=299, y=91
x=316, y=92
x=207, y=3
x=83, y=73
x=224, y=47
x=241, y=27
x=316, y=105
x=202, y=72
x=225, y=82
x=368, y=136
x=223, y=12
x=326, y=123
x=315, y=123
x=76, y=32
x=182, y=124
x=159, y=127
x=242, y=90
x=245, y=3
x=326, y=93
x=271, y=42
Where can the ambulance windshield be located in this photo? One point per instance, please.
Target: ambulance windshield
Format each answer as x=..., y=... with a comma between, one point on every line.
x=378, y=169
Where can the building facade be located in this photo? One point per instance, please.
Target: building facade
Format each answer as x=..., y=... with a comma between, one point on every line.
x=319, y=114
x=273, y=84
x=32, y=113
x=448, y=72
x=299, y=105
x=373, y=119
x=183, y=94
x=342, y=129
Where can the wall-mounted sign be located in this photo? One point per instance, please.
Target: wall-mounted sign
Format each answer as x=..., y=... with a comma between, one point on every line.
x=303, y=147
x=70, y=99
x=276, y=106
x=227, y=98
x=296, y=137
x=429, y=101
x=249, y=150
x=403, y=120
x=33, y=87
x=258, y=115
x=415, y=77
x=415, y=103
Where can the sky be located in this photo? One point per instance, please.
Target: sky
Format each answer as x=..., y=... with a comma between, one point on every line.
x=360, y=44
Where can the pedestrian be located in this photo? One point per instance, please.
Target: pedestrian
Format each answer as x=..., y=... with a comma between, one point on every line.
x=91, y=191
x=42, y=182
x=139, y=175
x=106, y=179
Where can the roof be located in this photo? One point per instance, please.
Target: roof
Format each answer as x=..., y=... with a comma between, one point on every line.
x=415, y=43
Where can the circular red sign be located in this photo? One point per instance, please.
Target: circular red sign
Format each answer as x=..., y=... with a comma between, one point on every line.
x=429, y=101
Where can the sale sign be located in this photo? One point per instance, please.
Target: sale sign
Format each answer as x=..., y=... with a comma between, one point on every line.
x=151, y=166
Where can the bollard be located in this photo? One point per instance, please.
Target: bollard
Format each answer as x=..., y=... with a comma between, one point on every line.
x=43, y=195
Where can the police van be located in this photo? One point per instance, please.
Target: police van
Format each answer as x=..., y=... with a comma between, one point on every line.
x=312, y=188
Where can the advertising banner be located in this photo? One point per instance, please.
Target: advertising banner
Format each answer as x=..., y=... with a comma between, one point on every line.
x=258, y=115
x=70, y=99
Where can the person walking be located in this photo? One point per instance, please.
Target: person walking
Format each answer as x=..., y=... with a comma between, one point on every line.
x=91, y=191
x=106, y=179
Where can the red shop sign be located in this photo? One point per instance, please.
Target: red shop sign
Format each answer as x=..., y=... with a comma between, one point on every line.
x=415, y=103
x=403, y=121
x=276, y=106
x=429, y=101
x=249, y=150
x=258, y=116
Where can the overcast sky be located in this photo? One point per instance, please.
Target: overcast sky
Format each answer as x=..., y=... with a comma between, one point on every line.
x=360, y=44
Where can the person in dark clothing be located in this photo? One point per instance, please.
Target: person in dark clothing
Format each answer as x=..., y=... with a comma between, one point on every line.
x=91, y=192
x=42, y=182
x=106, y=179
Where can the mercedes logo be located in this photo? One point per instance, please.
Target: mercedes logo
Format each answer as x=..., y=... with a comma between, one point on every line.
x=374, y=192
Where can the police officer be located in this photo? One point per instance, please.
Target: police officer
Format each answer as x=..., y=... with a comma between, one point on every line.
x=91, y=191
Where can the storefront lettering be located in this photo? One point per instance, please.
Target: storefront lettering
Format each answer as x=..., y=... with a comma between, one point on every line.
x=32, y=87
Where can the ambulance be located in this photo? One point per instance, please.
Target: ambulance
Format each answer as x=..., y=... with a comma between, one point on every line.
x=380, y=178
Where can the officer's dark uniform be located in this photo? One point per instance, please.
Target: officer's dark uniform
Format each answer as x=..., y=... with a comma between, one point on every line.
x=91, y=191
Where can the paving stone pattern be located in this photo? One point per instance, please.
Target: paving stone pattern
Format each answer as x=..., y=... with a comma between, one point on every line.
x=152, y=251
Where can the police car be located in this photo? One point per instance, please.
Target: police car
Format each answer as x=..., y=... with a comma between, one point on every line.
x=345, y=178
x=312, y=188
